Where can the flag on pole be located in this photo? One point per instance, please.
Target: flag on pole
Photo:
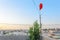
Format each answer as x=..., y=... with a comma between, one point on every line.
x=40, y=6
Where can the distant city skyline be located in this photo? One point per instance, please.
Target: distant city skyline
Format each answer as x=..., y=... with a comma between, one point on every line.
x=26, y=26
x=25, y=12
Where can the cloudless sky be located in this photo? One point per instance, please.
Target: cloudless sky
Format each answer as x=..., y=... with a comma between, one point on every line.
x=25, y=12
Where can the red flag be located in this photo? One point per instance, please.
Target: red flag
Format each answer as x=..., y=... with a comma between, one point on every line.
x=40, y=6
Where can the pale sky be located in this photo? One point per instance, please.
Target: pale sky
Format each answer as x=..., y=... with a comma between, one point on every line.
x=25, y=12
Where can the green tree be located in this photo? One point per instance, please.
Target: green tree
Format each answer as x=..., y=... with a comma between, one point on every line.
x=34, y=31
x=31, y=35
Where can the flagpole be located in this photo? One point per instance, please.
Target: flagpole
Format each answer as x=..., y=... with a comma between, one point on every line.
x=40, y=8
x=40, y=20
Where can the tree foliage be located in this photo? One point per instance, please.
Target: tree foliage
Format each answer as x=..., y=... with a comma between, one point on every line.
x=34, y=31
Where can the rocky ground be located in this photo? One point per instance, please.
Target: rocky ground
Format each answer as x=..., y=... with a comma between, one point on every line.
x=14, y=37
